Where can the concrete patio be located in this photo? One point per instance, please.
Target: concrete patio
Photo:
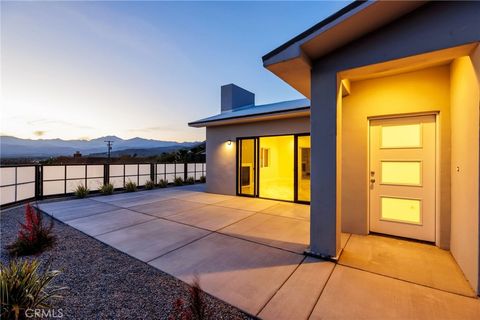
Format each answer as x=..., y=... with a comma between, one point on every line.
x=249, y=253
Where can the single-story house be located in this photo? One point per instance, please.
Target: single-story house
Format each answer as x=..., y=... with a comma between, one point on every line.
x=388, y=141
x=252, y=150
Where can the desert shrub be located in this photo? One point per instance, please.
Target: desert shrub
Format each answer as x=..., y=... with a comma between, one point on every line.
x=106, y=189
x=190, y=180
x=149, y=185
x=33, y=236
x=162, y=183
x=81, y=191
x=130, y=186
x=24, y=286
x=203, y=179
x=178, y=181
x=194, y=308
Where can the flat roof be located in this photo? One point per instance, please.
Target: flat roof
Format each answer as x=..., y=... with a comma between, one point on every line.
x=251, y=112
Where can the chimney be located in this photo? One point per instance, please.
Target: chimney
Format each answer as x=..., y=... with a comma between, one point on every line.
x=234, y=97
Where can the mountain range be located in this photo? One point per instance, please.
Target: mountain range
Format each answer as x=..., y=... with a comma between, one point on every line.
x=16, y=147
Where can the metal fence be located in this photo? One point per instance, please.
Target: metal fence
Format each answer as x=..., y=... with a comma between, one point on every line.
x=29, y=182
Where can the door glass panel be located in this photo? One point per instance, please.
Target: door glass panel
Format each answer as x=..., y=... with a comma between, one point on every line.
x=401, y=172
x=276, y=172
x=246, y=167
x=303, y=168
x=401, y=136
x=403, y=210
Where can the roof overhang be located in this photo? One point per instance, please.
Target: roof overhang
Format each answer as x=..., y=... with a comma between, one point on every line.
x=292, y=61
x=408, y=64
x=296, y=113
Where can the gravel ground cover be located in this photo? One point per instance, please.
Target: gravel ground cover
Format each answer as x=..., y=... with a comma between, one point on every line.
x=105, y=283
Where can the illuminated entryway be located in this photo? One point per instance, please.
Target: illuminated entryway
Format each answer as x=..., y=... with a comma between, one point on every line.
x=402, y=177
x=274, y=167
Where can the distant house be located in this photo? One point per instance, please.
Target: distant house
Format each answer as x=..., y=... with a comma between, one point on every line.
x=393, y=125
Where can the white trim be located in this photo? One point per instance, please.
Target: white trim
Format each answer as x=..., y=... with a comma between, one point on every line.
x=438, y=146
x=404, y=115
x=369, y=170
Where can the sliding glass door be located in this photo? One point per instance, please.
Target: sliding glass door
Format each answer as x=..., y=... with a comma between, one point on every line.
x=276, y=176
x=247, y=160
x=303, y=168
x=274, y=167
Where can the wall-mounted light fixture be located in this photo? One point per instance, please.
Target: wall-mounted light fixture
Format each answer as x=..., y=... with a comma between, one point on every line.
x=229, y=142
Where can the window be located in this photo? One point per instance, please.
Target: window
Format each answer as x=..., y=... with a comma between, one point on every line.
x=401, y=136
x=401, y=172
x=401, y=210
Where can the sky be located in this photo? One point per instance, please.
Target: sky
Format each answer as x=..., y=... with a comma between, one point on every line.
x=81, y=70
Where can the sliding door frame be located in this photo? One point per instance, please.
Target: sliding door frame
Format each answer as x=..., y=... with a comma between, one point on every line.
x=256, y=172
x=295, y=164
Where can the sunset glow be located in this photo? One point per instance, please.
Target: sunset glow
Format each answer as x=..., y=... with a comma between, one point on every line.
x=88, y=69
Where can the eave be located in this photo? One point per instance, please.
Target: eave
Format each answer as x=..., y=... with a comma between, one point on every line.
x=292, y=61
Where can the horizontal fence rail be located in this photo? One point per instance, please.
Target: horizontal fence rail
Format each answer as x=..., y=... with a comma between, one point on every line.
x=31, y=182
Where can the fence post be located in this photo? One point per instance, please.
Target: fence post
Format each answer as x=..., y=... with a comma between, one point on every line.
x=86, y=175
x=65, y=181
x=106, y=173
x=39, y=182
x=138, y=174
x=152, y=172
x=16, y=183
x=37, y=179
x=185, y=173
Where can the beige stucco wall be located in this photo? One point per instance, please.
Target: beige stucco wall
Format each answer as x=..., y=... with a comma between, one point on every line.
x=465, y=173
x=221, y=158
x=420, y=91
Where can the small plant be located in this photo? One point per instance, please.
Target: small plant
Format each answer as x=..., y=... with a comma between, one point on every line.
x=33, y=236
x=23, y=286
x=203, y=179
x=195, y=309
x=81, y=191
x=190, y=180
x=130, y=186
x=162, y=183
x=178, y=181
x=106, y=189
x=149, y=185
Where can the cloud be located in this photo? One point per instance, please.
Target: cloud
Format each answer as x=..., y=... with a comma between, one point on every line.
x=53, y=122
x=164, y=128
x=39, y=133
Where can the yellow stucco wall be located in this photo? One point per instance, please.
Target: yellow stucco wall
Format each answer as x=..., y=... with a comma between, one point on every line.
x=419, y=91
x=464, y=101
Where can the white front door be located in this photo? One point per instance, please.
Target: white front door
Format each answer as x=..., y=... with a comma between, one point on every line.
x=402, y=177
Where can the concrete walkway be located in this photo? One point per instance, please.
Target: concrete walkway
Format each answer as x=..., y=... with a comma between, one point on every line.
x=248, y=252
